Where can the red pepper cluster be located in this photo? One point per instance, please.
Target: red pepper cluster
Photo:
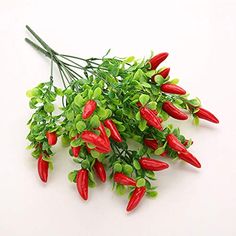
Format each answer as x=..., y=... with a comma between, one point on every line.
x=95, y=146
x=101, y=142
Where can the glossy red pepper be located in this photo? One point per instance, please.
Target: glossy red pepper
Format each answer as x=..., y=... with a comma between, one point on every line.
x=188, y=157
x=115, y=135
x=75, y=151
x=42, y=168
x=157, y=60
x=89, y=108
x=173, y=111
x=103, y=133
x=52, y=138
x=172, y=88
x=100, y=171
x=156, y=114
x=96, y=149
x=153, y=111
x=136, y=197
x=151, y=143
x=82, y=183
x=164, y=73
x=96, y=140
x=151, y=119
x=206, y=115
x=175, y=144
x=152, y=164
x=121, y=178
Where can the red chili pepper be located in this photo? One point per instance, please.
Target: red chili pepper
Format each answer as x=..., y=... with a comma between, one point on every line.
x=75, y=151
x=43, y=169
x=152, y=164
x=136, y=197
x=153, y=111
x=188, y=157
x=164, y=73
x=151, y=119
x=89, y=108
x=103, y=133
x=115, y=135
x=157, y=60
x=151, y=143
x=95, y=140
x=96, y=149
x=52, y=138
x=100, y=171
x=82, y=183
x=120, y=178
x=156, y=114
x=206, y=115
x=173, y=111
x=175, y=144
x=172, y=88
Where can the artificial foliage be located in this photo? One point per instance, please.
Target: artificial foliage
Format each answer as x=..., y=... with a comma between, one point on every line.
x=106, y=103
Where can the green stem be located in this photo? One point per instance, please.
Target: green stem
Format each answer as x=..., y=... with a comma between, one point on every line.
x=41, y=41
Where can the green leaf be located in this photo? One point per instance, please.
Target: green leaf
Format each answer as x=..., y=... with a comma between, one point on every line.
x=72, y=176
x=127, y=169
x=150, y=174
x=159, y=151
x=91, y=176
x=49, y=107
x=80, y=126
x=150, y=73
x=152, y=194
x=59, y=91
x=196, y=120
x=102, y=113
x=91, y=183
x=152, y=105
x=65, y=140
x=85, y=164
x=146, y=85
x=137, y=116
x=95, y=154
x=97, y=92
x=35, y=92
x=174, y=81
x=120, y=189
x=90, y=93
x=144, y=98
x=76, y=142
x=159, y=79
x=78, y=100
x=129, y=59
x=95, y=122
x=141, y=182
x=117, y=167
x=91, y=146
x=142, y=125
x=69, y=114
x=136, y=165
x=139, y=75
x=195, y=102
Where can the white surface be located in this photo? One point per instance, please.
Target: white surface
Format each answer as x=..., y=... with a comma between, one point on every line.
x=200, y=37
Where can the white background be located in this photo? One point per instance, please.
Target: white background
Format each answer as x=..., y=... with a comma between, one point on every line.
x=200, y=37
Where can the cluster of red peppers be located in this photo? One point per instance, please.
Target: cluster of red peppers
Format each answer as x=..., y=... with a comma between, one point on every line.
x=112, y=102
